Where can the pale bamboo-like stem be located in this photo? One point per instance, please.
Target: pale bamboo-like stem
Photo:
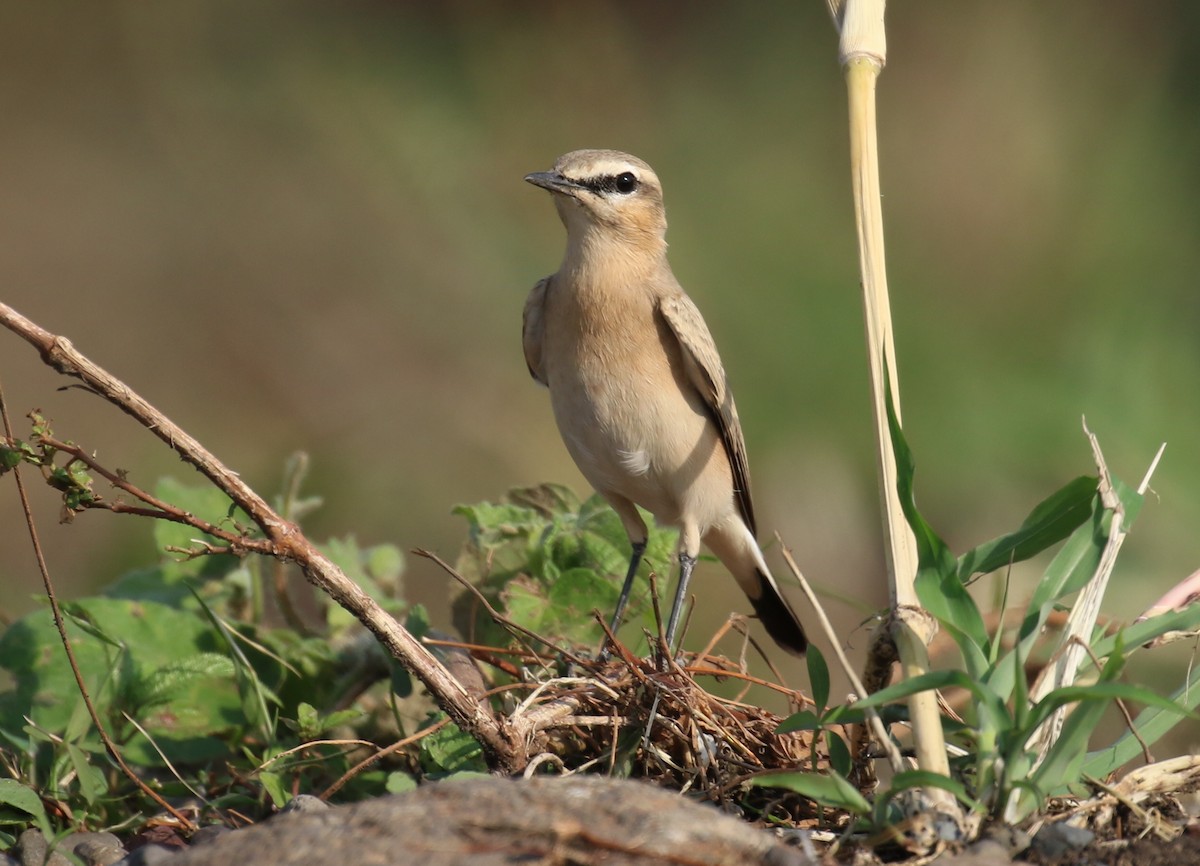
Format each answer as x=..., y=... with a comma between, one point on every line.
x=863, y=52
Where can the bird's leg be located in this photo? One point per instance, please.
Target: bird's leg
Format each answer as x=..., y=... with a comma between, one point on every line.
x=639, y=547
x=686, y=563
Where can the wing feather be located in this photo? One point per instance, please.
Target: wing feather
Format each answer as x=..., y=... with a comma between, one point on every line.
x=533, y=329
x=707, y=376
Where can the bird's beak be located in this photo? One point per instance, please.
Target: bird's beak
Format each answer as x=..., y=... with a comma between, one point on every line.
x=553, y=181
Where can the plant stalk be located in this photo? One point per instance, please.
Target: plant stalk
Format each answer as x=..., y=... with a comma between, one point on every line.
x=863, y=52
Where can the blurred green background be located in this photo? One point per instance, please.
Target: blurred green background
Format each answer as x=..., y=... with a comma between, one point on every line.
x=302, y=225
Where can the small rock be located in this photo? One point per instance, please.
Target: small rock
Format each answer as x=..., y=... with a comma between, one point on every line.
x=304, y=803
x=149, y=855
x=33, y=850
x=99, y=852
x=1014, y=840
x=1055, y=840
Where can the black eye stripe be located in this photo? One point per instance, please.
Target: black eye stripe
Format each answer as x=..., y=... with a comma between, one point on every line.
x=624, y=183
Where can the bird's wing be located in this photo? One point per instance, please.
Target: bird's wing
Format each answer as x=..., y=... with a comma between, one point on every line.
x=707, y=375
x=533, y=329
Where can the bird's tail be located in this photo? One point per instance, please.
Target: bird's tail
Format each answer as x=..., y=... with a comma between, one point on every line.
x=734, y=545
x=777, y=616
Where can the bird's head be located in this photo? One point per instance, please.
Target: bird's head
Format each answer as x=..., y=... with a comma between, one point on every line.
x=606, y=192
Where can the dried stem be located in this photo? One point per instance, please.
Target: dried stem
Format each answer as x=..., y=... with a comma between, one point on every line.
x=862, y=50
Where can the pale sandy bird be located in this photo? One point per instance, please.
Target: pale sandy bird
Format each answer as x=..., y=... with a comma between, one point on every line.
x=637, y=387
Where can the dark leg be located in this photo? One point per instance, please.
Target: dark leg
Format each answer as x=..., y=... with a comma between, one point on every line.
x=639, y=547
x=686, y=564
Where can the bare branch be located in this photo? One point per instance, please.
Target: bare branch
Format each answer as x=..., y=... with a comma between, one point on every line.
x=287, y=543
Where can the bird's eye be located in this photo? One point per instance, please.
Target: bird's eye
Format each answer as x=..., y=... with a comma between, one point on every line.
x=626, y=182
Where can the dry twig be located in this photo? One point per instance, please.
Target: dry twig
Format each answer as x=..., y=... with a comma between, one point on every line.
x=286, y=542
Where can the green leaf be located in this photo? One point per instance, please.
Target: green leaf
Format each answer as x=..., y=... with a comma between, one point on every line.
x=1151, y=724
x=937, y=583
x=993, y=714
x=308, y=721
x=933, y=554
x=1103, y=692
x=521, y=549
x=451, y=750
x=207, y=503
x=400, y=783
x=1052, y=520
x=839, y=753
x=10, y=458
x=832, y=790
x=310, y=725
x=170, y=681
x=818, y=678
x=1143, y=632
x=89, y=777
x=273, y=784
x=949, y=601
x=1063, y=763
x=152, y=636
x=15, y=796
x=385, y=562
x=805, y=720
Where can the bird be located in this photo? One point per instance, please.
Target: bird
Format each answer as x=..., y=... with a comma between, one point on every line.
x=637, y=388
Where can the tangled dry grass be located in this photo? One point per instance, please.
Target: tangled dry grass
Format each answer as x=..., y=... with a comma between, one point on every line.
x=636, y=718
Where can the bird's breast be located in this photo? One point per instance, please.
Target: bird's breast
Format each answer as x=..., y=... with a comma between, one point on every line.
x=626, y=412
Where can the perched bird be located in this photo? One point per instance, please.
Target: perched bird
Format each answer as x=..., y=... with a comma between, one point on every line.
x=637, y=387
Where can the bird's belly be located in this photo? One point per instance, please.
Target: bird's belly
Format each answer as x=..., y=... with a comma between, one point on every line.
x=641, y=436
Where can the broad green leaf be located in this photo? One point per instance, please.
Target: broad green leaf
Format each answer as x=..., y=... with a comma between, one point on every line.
x=207, y=503
x=520, y=549
x=832, y=790
x=168, y=682
x=151, y=635
x=578, y=592
x=525, y=600
x=15, y=796
x=385, y=563
x=451, y=750
x=1052, y=520
x=400, y=783
x=308, y=721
